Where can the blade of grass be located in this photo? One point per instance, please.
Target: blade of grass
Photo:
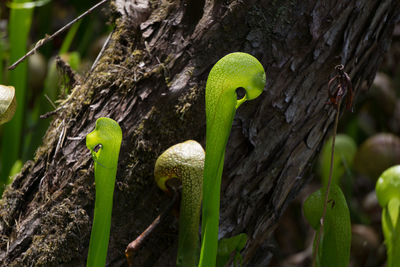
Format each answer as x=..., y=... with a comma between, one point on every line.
x=2, y=47
x=19, y=26
x=69, y=38
x=2, y=51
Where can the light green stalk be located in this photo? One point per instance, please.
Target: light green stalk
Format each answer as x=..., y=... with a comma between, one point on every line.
x=107, y=136
x=229, y=73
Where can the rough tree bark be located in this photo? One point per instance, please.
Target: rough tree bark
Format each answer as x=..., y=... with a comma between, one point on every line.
x=151, y=80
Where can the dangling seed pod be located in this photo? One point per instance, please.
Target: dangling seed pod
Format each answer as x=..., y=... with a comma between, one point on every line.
x=8, y=103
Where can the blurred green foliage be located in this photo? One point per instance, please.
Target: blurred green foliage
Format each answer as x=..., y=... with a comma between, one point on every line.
x=376, y=154
x=388, y=195
x=37, y=80
x=229, y=246
x=345, y=149
x=18, y=29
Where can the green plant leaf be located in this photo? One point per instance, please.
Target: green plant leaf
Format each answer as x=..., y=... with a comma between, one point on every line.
x=334, y=248
x=227, y=246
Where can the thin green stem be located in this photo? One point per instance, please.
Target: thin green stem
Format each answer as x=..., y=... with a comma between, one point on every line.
x=328, y=186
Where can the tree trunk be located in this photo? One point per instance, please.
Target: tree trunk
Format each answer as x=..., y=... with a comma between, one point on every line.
x=151, y=80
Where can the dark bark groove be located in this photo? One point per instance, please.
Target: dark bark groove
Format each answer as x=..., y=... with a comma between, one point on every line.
x=151, y=80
